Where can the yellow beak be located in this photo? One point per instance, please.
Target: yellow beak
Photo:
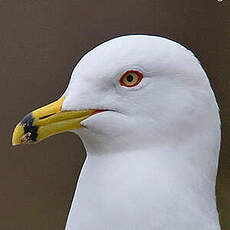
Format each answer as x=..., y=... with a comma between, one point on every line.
x=47, y=121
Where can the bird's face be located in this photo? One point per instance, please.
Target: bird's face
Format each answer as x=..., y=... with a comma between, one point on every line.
x=123, y=87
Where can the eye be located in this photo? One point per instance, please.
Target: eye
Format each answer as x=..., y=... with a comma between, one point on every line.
x=131, y=78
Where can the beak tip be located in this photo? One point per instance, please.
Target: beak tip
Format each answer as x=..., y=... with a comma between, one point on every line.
x=17, y=135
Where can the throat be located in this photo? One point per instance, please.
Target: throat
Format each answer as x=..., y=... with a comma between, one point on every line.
x=143, y=190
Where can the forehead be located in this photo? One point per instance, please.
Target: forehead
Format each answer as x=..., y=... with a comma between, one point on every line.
x=147, y=53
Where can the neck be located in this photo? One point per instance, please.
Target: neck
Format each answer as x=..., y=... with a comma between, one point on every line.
x=156, y=188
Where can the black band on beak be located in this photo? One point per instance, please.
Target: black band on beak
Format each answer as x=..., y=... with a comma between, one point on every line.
x=27, y=123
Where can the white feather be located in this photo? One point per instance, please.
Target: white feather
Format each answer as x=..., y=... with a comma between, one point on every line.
x=151, y=161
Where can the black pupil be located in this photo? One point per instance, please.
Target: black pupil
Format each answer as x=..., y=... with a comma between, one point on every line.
x=129, y=78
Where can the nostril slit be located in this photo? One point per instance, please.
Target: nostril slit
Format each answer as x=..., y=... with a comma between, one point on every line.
x=46, y=116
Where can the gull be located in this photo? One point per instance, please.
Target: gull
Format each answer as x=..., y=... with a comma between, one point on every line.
x=148, y=118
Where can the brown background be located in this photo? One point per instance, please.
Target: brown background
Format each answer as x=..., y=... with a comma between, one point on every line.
x=40, y=42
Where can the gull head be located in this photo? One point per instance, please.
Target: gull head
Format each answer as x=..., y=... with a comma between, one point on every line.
x=128, y=92
x=147, y=100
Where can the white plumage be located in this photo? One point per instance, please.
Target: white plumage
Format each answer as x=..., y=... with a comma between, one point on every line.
x=152, y=159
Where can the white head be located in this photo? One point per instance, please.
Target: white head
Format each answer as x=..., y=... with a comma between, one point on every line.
x=158, y=114
x=171, y=104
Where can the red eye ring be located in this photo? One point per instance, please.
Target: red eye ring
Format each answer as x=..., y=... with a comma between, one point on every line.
x=131, y=78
